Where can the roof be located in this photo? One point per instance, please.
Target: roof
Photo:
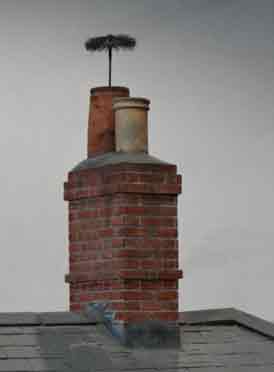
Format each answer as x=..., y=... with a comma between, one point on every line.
x=228, y=316
x=211, y=340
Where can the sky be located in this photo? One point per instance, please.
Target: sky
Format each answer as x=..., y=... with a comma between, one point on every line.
x=208, y=68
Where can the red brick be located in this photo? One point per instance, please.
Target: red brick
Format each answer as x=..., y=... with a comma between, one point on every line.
x=161, y=211
x=118, y=306
x=116, y=285
x=151, y=264
x=117, y=242
x=132, y=305
x=168, y=253
x=105, y=212
x=152, y=178
x=166, y=232
x=160, y=221
x=150, y=306
x=86, y=297
x=88, y=214
x=171, y=274
x=129, y=264
x=170, y=264
x=132, y=284
x=74, y=247
x=105, y=233
x=107, y=253
x=117, y=221
x=137, y=295
x=170, y=284
x=75, y=307
x=167, y=295
x=169, y=306
x=136, y=211
x=131, y=220
x=153, y=284
x=135, y=253
x=133, y=316
x=134, y=243
x=72, y=216
x=167, y=316
x=131, y=231
x=118, y=210
x=115, y=295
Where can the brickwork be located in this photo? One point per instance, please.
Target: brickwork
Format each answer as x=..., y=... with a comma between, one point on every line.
x=123, y=245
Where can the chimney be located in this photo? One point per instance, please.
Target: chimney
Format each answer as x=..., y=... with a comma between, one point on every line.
x=123, y=247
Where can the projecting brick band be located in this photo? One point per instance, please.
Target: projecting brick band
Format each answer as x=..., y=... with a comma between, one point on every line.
x=121, y=179
x=123, y=245
x=124, y=274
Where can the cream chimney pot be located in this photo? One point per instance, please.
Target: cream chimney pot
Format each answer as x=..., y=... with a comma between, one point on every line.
x=131, y=124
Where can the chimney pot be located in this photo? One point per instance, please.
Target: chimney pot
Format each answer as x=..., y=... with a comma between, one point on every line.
x=131, y=124
x=101, y=137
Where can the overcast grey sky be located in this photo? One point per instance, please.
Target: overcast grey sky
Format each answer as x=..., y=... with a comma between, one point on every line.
x=208, y=68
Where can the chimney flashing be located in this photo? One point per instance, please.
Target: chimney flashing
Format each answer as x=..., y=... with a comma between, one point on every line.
x=113, y=158
x=149, y=334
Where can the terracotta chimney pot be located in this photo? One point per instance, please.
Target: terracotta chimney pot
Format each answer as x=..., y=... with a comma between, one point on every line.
x=101, y=137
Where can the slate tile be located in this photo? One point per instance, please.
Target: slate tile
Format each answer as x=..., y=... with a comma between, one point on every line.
x=15, y=319
x=12, y=365
x=63, y=317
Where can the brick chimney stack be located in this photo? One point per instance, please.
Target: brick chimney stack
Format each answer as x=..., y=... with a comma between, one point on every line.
x=123, y=247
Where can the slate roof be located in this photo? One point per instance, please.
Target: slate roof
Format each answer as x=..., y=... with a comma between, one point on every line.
x=212, y=340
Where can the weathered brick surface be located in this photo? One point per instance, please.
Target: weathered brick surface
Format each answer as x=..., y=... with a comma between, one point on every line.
x=123, y=244
x=101, y=119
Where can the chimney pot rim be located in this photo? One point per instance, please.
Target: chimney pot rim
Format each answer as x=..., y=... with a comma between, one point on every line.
x=130, y=102
x=108, y=90
x=131, y=99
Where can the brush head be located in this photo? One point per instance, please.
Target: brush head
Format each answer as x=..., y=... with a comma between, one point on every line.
x=116, y=42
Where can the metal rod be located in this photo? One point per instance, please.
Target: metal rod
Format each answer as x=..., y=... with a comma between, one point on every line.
x=109, y=66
